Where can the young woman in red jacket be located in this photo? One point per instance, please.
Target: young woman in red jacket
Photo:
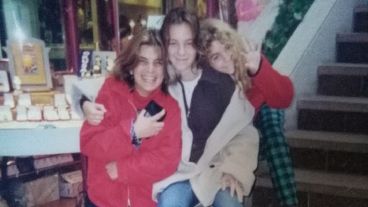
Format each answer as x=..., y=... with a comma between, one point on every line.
x=129, y=151
x=228, y=53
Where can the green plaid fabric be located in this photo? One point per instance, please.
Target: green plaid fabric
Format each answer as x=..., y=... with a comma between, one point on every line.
x=274, y=148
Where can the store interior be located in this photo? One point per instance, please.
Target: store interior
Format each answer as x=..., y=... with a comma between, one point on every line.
x=45, y=46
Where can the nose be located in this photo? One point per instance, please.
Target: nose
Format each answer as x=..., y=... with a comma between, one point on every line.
x=150, y=67
x=181, y=49
x=221, y=64
x=227, y=57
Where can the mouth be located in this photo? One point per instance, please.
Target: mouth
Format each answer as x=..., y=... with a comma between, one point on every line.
x=149, y=78
x=181, y=59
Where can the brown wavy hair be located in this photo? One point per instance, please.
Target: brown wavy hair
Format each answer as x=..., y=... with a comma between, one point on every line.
x=127, y=60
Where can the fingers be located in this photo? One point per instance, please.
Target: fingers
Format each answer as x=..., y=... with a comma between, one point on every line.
x=94, y=112
x=254, y=47
x=232, y=186
x=258, y=48
x=142, y=113
x=239, y=192
x=94, y=122
x=224, y=183
x=159, y=115
x=247, y=45
x=95, y=117
x=145, y=127
x=112, y=171
x=158, y=125
x=101, y=108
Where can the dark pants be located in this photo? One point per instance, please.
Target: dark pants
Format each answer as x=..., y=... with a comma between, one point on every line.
x=88, y=202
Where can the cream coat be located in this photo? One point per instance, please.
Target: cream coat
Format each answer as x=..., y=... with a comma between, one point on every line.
x=231, y=148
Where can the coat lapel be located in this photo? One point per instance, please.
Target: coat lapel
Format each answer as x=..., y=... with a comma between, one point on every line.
x=237, y=115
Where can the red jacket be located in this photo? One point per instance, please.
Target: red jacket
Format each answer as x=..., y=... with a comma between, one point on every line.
x=270, y=87
x=138, y=168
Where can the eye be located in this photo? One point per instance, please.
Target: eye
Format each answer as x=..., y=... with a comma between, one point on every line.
x=172, y=43
x=142, y=62
x=190, y=43
x=214, y=58
x=158, y=63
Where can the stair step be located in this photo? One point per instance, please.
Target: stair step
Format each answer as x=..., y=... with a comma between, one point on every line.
x=348, y=69
x=316, y=189
x=352, y=47
x=327, y=183
x=328, y=141
x=334, y=103
x=330, y=160
x=361, y=8
x=361, y=19
x=355, y=37
x=329, y=152
x=333, y=113
x=343, y=79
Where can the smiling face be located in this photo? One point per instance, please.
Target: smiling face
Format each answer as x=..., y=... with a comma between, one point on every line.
x=149, y=73
x=220, y=58
x=181, y=50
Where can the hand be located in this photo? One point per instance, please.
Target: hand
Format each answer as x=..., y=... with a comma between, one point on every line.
x=253, y=58
x=112, y=170
x=94, y=112
x=228, y=181
x=145, y=127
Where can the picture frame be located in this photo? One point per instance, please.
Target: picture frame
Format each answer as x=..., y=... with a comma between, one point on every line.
x=85, y=60
x=29, y=62
x=4, y=77
x=103, y=62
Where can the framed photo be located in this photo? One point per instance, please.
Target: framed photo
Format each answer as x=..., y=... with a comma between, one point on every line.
x=85, y=63
x=4, y=80
x=103, y=62
x=29, y=61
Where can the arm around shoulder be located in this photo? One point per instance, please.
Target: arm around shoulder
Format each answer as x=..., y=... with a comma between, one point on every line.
x=106, y=140
x=87, y=88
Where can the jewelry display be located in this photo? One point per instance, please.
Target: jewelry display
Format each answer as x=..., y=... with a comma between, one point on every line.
x=5, y=114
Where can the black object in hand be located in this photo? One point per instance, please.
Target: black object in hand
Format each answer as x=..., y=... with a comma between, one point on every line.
x=153, y=108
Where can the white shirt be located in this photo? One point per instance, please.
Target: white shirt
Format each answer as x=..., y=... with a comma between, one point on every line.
x=189, y=87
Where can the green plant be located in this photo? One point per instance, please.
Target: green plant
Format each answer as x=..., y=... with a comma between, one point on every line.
x=291, y=13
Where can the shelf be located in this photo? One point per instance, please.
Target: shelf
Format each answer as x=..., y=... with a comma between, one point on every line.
x=59, y=168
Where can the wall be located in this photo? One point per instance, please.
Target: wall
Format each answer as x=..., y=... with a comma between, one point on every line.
x=312, y=44
x=256, y=30
x=23, y=14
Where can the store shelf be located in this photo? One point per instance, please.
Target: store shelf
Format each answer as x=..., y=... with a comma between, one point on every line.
x=58, y=168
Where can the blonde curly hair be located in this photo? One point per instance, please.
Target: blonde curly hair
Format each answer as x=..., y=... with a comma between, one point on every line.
x=214, y=29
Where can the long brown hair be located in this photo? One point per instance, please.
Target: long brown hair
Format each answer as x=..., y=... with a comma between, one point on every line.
x=127, y=60
x=177, y=16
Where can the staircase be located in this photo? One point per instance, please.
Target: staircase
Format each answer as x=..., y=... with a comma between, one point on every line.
x=330, y=147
